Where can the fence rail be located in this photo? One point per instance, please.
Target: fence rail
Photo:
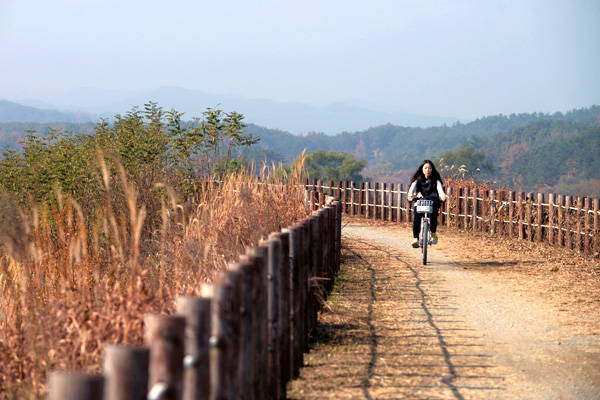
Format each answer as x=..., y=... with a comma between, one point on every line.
x=559, y=220
x=244, y=337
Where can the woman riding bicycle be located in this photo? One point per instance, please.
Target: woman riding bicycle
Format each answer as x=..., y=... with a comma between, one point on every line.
x=426, y=183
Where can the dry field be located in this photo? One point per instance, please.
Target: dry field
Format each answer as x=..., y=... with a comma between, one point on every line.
x=71, y=284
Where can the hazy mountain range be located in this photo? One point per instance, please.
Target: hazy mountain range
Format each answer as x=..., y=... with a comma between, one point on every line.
x=83, y=105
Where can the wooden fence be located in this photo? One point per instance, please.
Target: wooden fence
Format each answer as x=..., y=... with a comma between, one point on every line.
x=561, y=221
x=243, y=338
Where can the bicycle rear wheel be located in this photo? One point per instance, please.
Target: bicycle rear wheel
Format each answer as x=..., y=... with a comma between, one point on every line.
x=425, y=240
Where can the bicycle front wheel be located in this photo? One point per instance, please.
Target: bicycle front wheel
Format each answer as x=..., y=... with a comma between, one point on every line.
x=425, y=240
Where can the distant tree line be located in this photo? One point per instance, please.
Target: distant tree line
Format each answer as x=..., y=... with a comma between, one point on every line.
x=556, y=152
x=536, y=150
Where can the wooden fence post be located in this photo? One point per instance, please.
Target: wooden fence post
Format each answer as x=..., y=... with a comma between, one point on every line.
x=196, y=311
x=352, y=197
x=75, y=386
x=501, y=212
x=482, y=212
x=551, y=219
x=321, y=199
x=458, y=207
x=344, y=198
x=390, y=202
x=319, y=266
x=493, y=212
x=126, y=372
x=227, y=287
x=367, y=199
x=402, y=216
x=284, y=309
x=595, y=248
x=578, y=235
x=529, y=211
x=259, y=256
x=521, y=211
x=295, y=235
x=373, y=199
x=338, y=236
x=376, y=199
x=273, y=298
x=317, y=226
x=586, y=226
x=361, y=198
x=475, y=210
x=165, y=336
x=377, y=190
x=326, y=271
x=449, y=200
x=568, y=235
x=458, y=220
x=382, y=190
x=305, y=272
x=247, y=352
x=560, y=221
x=330, y=239
x=540, y=216
x=511, y=214
x=466, y=208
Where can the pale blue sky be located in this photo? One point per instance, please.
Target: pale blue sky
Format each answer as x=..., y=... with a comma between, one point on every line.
x=463, y=59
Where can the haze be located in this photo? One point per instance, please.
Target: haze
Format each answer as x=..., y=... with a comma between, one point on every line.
x=461, y=59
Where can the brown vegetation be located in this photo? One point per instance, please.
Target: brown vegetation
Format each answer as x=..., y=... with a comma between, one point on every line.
x=72, y=282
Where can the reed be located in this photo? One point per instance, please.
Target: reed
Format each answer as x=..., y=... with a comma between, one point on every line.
x=73, y=281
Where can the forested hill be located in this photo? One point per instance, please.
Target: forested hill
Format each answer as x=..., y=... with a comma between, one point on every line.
x=557, y=152
x=558, y=156
x=13, y=112
x=403, y=147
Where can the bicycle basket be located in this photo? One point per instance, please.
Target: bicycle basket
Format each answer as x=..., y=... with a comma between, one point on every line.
x=425, y=206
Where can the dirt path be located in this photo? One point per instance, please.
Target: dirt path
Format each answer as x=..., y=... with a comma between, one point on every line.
x=487, y=321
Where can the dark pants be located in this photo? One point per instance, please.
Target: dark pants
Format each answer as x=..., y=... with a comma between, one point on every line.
x=433, y=218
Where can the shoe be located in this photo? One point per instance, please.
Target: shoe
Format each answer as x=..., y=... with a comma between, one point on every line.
x=433, y=238
x=415, y=243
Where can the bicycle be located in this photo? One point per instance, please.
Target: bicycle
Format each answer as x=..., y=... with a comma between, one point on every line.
x=424, y=206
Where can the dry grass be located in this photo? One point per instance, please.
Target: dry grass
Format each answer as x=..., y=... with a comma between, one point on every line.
x=70, y=284
x=567, y=280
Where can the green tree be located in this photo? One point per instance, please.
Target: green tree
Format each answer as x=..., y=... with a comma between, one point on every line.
x=335, y=166
x=465, y=161
x=224, y=137
x=56, y=160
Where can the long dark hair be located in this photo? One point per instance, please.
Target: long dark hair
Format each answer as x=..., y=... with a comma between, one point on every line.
x=435, y=175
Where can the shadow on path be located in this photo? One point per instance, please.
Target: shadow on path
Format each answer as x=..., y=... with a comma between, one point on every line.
x=432, y=321
x=391, y=330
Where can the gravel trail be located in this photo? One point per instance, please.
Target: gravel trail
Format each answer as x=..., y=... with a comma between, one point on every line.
x=511, y=343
